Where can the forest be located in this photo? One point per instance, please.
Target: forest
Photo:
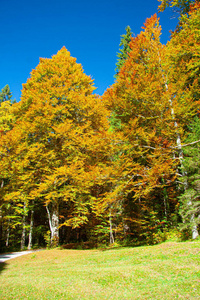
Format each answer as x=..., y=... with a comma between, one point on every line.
x=82, y=169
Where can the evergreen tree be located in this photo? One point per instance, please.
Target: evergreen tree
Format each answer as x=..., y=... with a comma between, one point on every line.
x=6, y=95
x=190, y=199
x=123, y=54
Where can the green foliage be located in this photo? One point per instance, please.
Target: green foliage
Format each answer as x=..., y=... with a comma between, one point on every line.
x=190, y=198
x=124, y=51
x=6, y=95
x=47, y=238
x=100, y=234
x=183, y=6
x=156, y=238
x=173, y=235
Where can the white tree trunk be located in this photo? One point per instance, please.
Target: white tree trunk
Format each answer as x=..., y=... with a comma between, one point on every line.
x=23, y=228
x=54, y=223
x=195, y=233
x=178, y=137
x=111, y=231
x=8, y=234
x=31, y=232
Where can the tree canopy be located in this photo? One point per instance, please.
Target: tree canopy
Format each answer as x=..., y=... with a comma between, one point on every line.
x=182, y=5
x=77, y=167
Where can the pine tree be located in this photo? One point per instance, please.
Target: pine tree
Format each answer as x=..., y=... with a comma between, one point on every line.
x=6, y=95
x=123, y=54
x=190, y=198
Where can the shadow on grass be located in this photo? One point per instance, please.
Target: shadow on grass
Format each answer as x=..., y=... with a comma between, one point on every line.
x=96, y=246
x=2, y=267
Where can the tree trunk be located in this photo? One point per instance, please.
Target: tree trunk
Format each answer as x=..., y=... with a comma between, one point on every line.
x=165, y=205
x=165, y=200
x=54, y=223
x=111, y=231
x=195, y=233
x=31, y=231
x=23, y=228
x=1, y=226
x=178, y=137
x=8, y=234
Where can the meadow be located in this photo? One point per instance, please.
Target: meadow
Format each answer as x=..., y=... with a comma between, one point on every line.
x=169, y=270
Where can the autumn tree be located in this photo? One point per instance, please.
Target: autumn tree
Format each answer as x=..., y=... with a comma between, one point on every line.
x=112, y=166
x=183, y=6
x=6, y=124
x=138, y=99
x=182, y=61
x=182, y=57
x=148, y=111
x=61, y=145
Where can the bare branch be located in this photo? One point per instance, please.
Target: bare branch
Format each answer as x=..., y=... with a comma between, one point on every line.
x=185, y=145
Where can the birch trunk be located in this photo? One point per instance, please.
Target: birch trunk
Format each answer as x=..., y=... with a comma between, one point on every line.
x=23, y=228
x=178, y=137
x=165, y=200
x=30, y=244
x=54, y=223
x=8, y=234
x=195, y=233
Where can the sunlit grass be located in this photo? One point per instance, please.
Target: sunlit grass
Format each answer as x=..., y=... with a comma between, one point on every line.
x=166, y=271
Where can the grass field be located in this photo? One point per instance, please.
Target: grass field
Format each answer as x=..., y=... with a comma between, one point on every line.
x=166, y=271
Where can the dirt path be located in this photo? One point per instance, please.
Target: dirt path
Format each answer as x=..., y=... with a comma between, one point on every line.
x=4, y=257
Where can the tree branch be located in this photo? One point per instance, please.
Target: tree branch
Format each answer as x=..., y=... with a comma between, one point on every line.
x=185, y=145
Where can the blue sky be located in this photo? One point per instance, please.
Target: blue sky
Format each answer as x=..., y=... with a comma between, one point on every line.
x=90, y=30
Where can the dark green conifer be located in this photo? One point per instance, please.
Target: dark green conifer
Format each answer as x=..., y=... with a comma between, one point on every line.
x=190, y=199
x=6, y=95
x=124, y=51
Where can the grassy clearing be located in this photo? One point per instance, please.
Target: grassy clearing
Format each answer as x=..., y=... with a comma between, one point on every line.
x=165, y=271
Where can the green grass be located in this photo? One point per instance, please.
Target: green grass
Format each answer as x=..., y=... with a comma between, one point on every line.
x=165, y=271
